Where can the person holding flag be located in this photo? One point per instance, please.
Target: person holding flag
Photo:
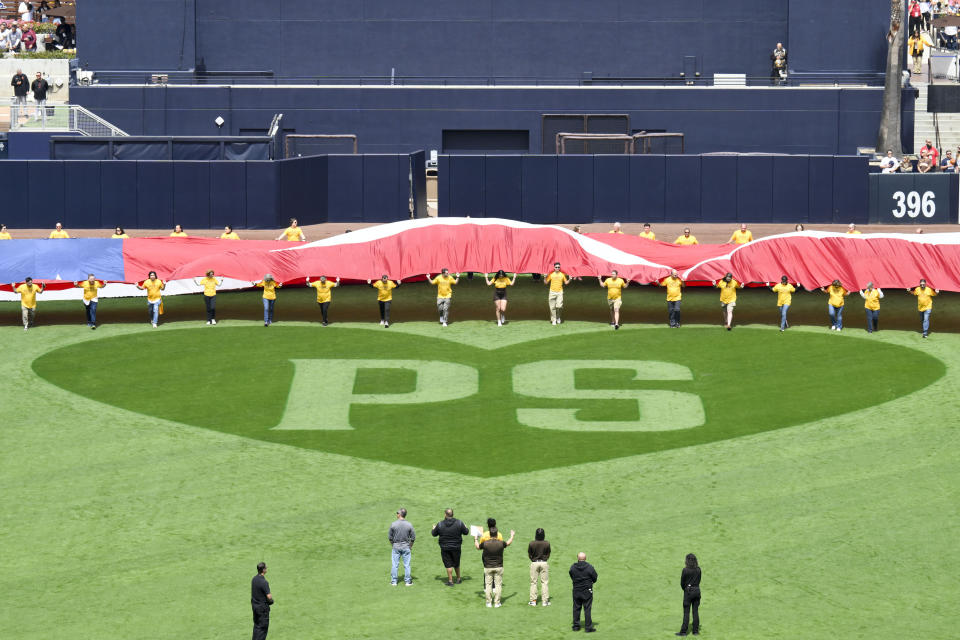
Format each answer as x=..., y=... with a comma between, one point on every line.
x=784, y=292
x=384, y=287
x=924, y=304
x=614, y=286
x=209, y=284
x=28, y=300
x=153, y=286
x=90, y=288
x=444, y=282
x=500, y=284
x=323, y=287
x=728, y=297
x=269, y=286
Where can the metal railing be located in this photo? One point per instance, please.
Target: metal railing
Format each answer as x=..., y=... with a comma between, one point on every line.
x=30, y=116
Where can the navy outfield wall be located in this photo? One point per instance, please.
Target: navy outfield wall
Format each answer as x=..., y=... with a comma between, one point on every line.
x=829, y=121
x=655, y=188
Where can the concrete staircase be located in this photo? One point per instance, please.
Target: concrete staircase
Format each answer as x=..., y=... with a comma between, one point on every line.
x=923, y=128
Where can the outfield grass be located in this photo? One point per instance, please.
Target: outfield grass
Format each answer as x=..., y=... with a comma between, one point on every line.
x=820, y=494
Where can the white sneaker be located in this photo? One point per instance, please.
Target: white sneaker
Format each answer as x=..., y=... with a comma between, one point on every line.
x=499, y=323
x=559, y=321
x=833, y=328
x=26, y=328
x=532, y=603
x=443, y=323
x=489, y=606
x=497, y=605
x=154, y=325
x=546, y=603
x=208, y=322
x=386, y=324
x=214, y=321
x=553, y=322
x=381, y=323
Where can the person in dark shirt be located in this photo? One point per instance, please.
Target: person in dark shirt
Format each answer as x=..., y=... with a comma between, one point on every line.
x=583, y=576
x=261, y=600
x=539, y=553
x=40, y=87
x=690, y=583
x=492, y=549
x=449, y=533
x=20, y=84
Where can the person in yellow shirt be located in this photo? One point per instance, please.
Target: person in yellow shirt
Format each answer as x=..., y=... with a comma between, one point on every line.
x=686, y=238
x=871, y=304
x=647, y=233
x=617, y=228
x=491, y=524
x=852, y=229
x=178, y=232
x=500, y=283
x=323, y=287
x=728, y=297
x=444, y=282
x=28, y=300
x=835, y=304
x=91, y=286
x=614, y=286
x=4, y=234
x=741, y=235
x=119, y=233
x=209, y=284
x=784, y=292
x=924, y=304
x=58, y=232
x=293, y=233
x=229, y=233
x=556, y=280
x=674, y=286
x=269, y=286
x=384, y=287
x=153, y=286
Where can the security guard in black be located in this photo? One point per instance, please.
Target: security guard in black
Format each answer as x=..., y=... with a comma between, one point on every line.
x=260, y=600
x=583, y=576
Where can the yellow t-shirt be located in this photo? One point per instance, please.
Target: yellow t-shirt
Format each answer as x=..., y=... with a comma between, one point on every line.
x=924, y=298
x=444, y=285
x=229, y=236
x=556, y=280
x=269, y=289
x=5, y=236
x=728, y=291
x=59, y=234
x=674, y=288
x=614, y=231
x=153, y=287
x=686, y=240
x=323, y=290
x=502, y=283
x=28, y=295
x=90, y=290
x=836, y=295
x=872, y=299
x=853, y=232
x=614, y=287
x=179, y=234
x=783, y=292
x=649, y=235
x=486, y=536
x=119, y=235
x=293, y=234
x=741, y=237
x=385, y=290
x=209, y=286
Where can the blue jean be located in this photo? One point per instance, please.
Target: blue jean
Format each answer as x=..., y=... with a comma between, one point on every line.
x=925, y=321
x=268, y=311
x=91, y=311
x=836, y=316
x=673, y=312
x=395, y=564
x=873, y=320
x=154, y=308
x=783, y=315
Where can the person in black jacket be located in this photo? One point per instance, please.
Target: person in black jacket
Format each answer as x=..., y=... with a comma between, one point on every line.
x=40, y=87
x=583, y=576
x=261, y=600
x=449, y=533
x=690, y=583
x=20, y=84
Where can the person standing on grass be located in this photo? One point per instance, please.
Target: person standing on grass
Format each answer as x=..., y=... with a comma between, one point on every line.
x=492, y=557
x=539, y=553
x=269, y=286
x=58, y=233
x=90, y=288
x=28, y=300
x=444, y=283
x=674, y=286
x=323, y=287
x=614, y=286
x=384, y=287
x=500, y=284
x=835, y=304
x=209, y=284
x=293, y=233
x=690, y=583
x=924, y=304
x=402, y=536
x=449, y=533
x=153, y=287
x=583, y=576
x=229, y=233
x=556, y=280
x=261, y=599
x=871, y=303
x=784, y=292
x=728, y=297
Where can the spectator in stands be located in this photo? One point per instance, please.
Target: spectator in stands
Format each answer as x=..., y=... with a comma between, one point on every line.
x=229, y=233
x=4, y=37
x=647, y=233
x=65, y=38
x=293, y=233
x=852, y=229
x=20, y=84
x=686, y=238
x=4, y=234
x=29, y=39
x=916, y=19
x=741, y=235
x=616, y=228
x=778, y=60
x=14, y=38
x=59, y=232
x=925, y=14
x=119, y=233
x=948, y=37
x=930, y=151
x=26, y=12
x=40, y=86
x=924, y=164
x=947, y=163
x=890, y=164
x=178, y=232
x=915, y=46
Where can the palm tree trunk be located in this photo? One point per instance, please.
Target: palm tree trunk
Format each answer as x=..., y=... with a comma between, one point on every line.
x=889, y=135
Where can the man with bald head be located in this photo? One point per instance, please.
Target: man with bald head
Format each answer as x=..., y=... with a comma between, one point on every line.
x=583, y=576
x=449, y=533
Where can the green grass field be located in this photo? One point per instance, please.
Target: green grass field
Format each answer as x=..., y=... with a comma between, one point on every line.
x=143, y=476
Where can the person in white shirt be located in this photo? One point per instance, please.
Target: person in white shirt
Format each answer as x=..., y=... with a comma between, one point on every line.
x=4, y=37
x=890, y=164
x=26, y=14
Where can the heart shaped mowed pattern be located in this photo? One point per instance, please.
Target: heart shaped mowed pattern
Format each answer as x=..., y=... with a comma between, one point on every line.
x=434, y=403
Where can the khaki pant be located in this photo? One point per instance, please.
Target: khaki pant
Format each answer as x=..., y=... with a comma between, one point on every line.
x=28, y=316
x=493, y=579
x=542, y=570
x=555, y=302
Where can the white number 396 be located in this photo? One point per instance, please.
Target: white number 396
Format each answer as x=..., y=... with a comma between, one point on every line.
x=912, y=204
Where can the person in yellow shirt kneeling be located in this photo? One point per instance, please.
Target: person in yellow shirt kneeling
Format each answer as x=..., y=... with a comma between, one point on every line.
x=924, y=304
x=91, y=297
x=28, y=300
x=269, y=286
x=728, y=297
x=323, y=287
x=835, y=304
x=614, y=286
x=209, y=284
x=871, y=304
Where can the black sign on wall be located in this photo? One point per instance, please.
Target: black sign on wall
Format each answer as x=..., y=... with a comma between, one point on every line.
x=914, y=198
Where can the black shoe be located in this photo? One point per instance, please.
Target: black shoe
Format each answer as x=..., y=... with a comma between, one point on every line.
x=576, y=629
x=94, y=327
x=616, y=326
x=590, y=629
x=459, y=581
x=449, y=584
x=324, y=324
x=681, y=633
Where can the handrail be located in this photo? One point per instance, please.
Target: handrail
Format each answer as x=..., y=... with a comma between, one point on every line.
x=59, y=117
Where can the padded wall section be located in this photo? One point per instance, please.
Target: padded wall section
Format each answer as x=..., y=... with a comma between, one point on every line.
x=45, y=182
x=575, y=188
x=755, y=188
x=718, y=188
x=791, y=189
x=611, y=194
x=120, y=183
x=191, y=195
x=683, y=188
x=466, y=186
x=17, y=199
x=820, y=189
x=386, y=188
x=539, y=179
x=648, y=188
x=228, y=203
x=345, y=195
x=503, y=187
x=262, y=196
x=82, y=184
